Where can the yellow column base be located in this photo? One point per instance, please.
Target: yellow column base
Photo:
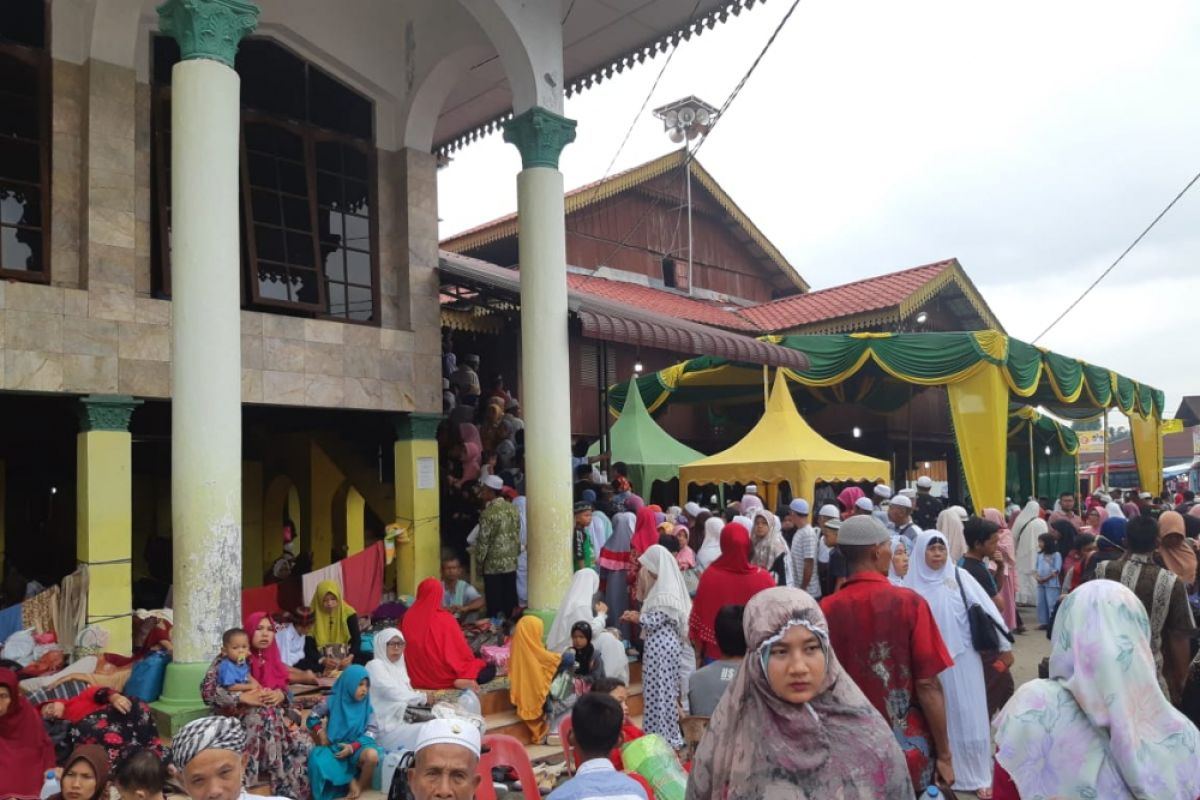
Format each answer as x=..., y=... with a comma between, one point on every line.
x=417, y=501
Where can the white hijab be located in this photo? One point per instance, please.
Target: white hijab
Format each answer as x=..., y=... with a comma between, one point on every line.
x=898, y=543
x=1026, y=529
x=612, y=656
x=710, y=550
x=765, y=551
x=940, y=590
x=1114, y=510
x=391, y=689
x=669, y=593
x=576, y=606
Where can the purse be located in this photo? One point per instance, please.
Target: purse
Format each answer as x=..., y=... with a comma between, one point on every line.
x=985, y=631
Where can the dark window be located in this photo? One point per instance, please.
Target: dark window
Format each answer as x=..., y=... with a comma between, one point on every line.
x=308, y=171
x=24, y=141
x=668, y=272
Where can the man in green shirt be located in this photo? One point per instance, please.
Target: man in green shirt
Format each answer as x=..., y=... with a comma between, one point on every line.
x=582, y=539
x=498, y=547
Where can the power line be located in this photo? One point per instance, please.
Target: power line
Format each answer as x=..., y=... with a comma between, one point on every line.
x=691, y=152
x=1121, y=257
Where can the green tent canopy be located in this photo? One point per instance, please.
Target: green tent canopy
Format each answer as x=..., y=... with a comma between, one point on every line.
x=651, y=453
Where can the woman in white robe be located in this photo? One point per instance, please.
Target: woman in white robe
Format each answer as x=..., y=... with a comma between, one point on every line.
x=391, y=693
x=1026, y=529
x=967, y=723
x=578, y=605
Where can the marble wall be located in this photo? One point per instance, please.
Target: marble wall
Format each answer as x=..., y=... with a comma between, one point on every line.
x=96, y=328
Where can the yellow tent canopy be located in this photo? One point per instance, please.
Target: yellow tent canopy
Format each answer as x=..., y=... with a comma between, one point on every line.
x=782, y=447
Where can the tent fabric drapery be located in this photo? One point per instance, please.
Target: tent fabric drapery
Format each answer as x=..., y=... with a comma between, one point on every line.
x=782, y=447
x=1066, y=387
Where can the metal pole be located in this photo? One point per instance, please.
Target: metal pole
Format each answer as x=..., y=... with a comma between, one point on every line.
x=1106, y=486
x=908, y=467
x=687, y=166
x=1032, y=467
x=605, y=445
x=766, y=387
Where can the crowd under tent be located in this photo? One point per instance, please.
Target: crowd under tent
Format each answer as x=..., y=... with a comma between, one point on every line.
x=982, y=372
x=781, y=448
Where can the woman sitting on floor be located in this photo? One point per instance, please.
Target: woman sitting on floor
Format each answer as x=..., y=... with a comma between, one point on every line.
x=531, y=669
x=26, y=752
x=106, y=718
x=436, y=652
x=392, y=692
x=335, y=629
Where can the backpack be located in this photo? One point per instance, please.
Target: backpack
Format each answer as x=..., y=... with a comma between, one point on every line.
x=399, y=789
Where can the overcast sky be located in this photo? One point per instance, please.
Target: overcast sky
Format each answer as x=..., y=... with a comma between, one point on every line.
x=1031, y=140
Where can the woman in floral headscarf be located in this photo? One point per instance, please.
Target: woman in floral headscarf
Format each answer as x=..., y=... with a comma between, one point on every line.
x=1109, y=728
x=793, y=725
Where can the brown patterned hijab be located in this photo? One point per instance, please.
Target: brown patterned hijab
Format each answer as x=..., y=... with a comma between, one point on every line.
x=760, y=746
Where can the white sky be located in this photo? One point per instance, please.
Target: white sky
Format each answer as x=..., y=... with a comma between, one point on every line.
x=1031, y=140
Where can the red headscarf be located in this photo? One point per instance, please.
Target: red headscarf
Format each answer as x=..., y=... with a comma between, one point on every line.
x=25, y=750
x=848, y=497
x=437, y=654
x=266, y=665
x=645, y=532
x=730, y=580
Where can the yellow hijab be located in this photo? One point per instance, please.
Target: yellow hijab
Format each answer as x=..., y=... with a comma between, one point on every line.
x=330, y=626
x=531, y=668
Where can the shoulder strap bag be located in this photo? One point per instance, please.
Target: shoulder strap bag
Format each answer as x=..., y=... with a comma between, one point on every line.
x=985, y=631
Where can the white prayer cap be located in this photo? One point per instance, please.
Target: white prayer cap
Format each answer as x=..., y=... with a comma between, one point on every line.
x=493, y=482
x=692, y=509
x=902, y=501
x=883, y=490
x=449, y=731
x=865, y=504
x=751, y=488
x=829, y=510
x=799, y=506
x=924, y=482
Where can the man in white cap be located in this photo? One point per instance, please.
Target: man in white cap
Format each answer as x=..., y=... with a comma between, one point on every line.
x=883, y=493
x=863, y=505
x=926, y=507
x=497, y=548
x=825, y=513
x=804, y=549
x=900, y=516
x=210, y=757
x=447, y=757
x=750, y=501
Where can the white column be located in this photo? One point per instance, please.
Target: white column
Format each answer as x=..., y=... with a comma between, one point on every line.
x=206, y=412
x=545, y=367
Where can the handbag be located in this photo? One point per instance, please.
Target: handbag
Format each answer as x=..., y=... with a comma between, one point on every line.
x=985, y=631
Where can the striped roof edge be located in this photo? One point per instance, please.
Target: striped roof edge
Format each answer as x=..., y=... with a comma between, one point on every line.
x=584, y=196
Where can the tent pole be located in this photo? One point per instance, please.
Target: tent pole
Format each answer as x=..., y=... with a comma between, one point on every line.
x=603, y=372
x=909, y=466
x=766, y=386
x=1032, y=468
x=1106, y=486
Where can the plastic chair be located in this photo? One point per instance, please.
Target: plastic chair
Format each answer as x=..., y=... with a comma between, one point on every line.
x=505, y=751
x=564, y=736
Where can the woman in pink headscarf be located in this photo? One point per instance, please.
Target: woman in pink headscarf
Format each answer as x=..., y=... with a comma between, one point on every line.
x=848, y=497
x=1006, y=567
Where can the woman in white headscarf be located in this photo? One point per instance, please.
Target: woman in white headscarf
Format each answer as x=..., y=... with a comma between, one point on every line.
x=943, y=585
x=950, y=524
x=710, y=551
x=578, y=605
x=392, y=693
x=769, y=549
x=663, y=617
x=1026, y=529
x=1114, y=510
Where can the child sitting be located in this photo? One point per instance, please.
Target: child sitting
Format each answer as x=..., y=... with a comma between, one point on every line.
x=141, y=775
x=617, y=690
x=233, y=673
x=585, y=654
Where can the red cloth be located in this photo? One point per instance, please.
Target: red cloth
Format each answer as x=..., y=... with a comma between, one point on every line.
x=25, y=750
x=437, y=653
x=266, y=665
x=886, y=639
x=362, y=577
x=1003, y=787
x=645, y=532
x=730, y=580
x=282, y=596
x=83, y=705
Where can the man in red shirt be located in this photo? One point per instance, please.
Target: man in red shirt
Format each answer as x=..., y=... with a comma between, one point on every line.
x=886, y=638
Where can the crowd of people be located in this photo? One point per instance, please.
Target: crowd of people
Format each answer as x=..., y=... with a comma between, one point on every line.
x=858, y=645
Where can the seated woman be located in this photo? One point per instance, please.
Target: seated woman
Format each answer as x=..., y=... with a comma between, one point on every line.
x=345, y=765
x=437, y=654
x=274, y=751
x=335, y=629
x=1114, y=734
x=392, y=692
x=84, y=775
x=578, y=605
x=531, y=669
x=26, y=752
x=266, y=662
x=793, y=724
x=106, y=718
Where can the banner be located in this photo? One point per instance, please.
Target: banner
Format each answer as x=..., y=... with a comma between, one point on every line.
x=1172, y=426
x=1091, y=442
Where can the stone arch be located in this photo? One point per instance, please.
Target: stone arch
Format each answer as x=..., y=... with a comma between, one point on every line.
x=281, y=501
x=527, y=36
x=348, y=512
x=419, y=117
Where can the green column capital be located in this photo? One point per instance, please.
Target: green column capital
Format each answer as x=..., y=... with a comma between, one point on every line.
x=106, y=412
x=210, y=29
x=540, y=135
x=417, y=426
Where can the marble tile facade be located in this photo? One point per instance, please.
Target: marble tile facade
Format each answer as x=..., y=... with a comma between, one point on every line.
x=96, y=328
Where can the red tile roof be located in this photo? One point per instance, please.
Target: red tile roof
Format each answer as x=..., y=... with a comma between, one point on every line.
x=869, y=294
x=669, y=304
